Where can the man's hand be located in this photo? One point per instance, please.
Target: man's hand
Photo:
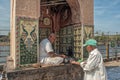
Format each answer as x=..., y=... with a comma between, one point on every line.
x=63, y=56
x=74, y=62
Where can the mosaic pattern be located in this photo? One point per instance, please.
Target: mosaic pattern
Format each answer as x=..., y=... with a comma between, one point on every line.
x=88, y=33
x=44, y=32
x=66, y=39
x=27, y=40
x=77, y=41
x=56, y=45
x=17, y=44
x=70, y=39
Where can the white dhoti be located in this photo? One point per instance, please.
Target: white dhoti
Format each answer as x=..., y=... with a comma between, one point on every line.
x=52, y=60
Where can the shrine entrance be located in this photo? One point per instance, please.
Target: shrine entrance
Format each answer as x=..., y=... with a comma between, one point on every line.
x=56, y=16
x=63, y=17
x=33, y=20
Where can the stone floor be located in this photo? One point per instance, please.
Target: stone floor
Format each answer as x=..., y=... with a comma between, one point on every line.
x=112, y=63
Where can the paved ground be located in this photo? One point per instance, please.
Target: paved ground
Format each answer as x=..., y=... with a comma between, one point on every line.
x=112, y=63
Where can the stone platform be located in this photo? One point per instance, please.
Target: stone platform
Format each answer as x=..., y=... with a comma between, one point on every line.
x=61, y=72
x=112, y=63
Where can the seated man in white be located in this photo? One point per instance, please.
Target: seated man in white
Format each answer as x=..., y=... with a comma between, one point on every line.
x=47, y=54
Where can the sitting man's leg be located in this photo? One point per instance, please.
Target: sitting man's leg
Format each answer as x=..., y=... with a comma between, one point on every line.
x=54, y=60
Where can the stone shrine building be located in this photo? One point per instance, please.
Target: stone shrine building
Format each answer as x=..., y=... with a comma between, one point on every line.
x=33, y=20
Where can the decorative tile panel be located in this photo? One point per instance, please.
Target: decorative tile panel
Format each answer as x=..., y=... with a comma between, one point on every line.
x=66, y=39
x=70, y=37
x=26, y=40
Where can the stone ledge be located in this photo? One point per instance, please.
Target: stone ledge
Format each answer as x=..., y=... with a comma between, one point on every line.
x=61, y=72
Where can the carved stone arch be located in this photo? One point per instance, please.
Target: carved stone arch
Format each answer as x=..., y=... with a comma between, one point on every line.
x=75, y=9
x=62, y=16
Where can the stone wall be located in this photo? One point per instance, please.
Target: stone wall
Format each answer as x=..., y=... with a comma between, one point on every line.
x=88, y=12
x=28, y=8
x=62, y=72
x=82, y=11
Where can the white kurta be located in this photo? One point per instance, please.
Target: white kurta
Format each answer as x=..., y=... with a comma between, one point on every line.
x=94, y=68
x=45, y=48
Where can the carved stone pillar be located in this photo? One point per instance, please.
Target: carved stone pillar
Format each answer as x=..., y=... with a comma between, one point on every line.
x=24, y=32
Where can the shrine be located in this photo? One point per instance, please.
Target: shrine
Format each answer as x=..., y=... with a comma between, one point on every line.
x=34, y=20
